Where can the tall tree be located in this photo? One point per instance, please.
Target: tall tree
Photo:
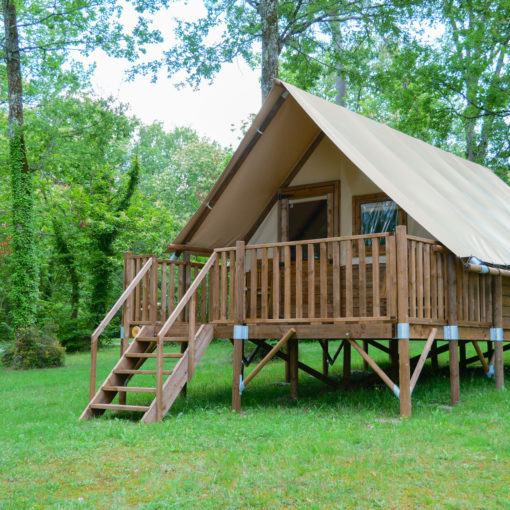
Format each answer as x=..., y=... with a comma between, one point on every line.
x=38, y=38
x=281, y=28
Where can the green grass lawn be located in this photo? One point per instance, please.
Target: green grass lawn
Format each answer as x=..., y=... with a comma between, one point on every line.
x=328, y=450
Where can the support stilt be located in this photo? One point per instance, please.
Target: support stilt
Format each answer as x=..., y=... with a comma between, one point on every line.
x=497, y=310
x=346, y=376
x=452, y=321
x=293, y=352
x=365, y=348
x=237, y=369
x=325, y=352
x=403, y=322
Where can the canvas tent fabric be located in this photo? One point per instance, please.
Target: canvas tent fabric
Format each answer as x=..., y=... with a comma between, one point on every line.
x=462, y=204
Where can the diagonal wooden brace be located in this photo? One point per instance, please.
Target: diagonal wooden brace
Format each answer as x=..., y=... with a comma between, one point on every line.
x=269, y=355
x=481, y=357
x=391, y=385
x=423, y=358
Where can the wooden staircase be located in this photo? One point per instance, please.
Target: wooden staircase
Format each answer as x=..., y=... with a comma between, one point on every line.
x=130, y=365
x=150, y=344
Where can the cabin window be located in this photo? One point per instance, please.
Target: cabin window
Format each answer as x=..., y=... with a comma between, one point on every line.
x=376, y=213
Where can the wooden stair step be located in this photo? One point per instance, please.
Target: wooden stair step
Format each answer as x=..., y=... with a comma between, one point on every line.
x=152, y=355
x=135, y=389
x=165, y=339
x=130, y=371
x=120, y=407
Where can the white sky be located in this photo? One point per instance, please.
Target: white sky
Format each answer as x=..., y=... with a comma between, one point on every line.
x=211, y=110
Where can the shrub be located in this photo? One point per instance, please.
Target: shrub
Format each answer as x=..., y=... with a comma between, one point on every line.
x=33, y=348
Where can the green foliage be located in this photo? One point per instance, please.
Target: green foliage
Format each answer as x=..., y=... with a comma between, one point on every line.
x=33, y=348
x=330, y=449
x=23, y=264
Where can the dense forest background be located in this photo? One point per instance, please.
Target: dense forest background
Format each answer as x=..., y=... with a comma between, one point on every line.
x=82, y=181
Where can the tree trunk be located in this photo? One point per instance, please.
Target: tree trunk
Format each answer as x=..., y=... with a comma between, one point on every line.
x=268, y=10
x=341, y=86
x=23, y=287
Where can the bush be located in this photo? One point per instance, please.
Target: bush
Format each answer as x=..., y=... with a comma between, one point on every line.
x=33, y=348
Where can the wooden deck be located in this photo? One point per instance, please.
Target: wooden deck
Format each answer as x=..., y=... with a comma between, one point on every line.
x=370, y=288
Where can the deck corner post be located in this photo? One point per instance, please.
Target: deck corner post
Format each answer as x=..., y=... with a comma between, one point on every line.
x=237, y=378
x=293, y=352
x=126, y=312
x=497, y=311
x=453, y=330
x=240, y=284
x=403, y=322
x=346, y=368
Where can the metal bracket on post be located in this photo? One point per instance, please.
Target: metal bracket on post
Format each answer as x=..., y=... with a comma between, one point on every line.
x=496, y=334
x=241, y=384
x=396, y=390
x=451, y=333
x=241, y=332
x=403, y=330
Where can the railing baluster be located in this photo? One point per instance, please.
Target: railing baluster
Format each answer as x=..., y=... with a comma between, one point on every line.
x=216, y=304
x=412, y=279
x=224, y=286
x=276, y=282
x=419, y=279
x=299, y=282
x=441, y=311
x=253, y=283
x=362, y=278
x=232, y=283
x=145, y=311
x=433, y=286
x=264, y=269
x=311, y=281
x=376, y=298
x=349, y=312
x=171, y=288
x=426, y=281
x=323, y=280
x=287, y=283
x=163, y=291
x=336, y=280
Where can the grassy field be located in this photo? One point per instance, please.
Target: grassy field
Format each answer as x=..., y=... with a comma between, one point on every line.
x=328, y=450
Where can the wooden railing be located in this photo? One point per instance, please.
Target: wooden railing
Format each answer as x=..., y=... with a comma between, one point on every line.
x=127, y=294
x=334, y=279
x=159, y=292
x=428, y=287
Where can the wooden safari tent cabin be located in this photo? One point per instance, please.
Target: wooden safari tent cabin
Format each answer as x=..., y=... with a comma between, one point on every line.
x=324, y=225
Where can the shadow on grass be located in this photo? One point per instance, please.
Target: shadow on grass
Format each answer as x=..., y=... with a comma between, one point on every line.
x=366, y=392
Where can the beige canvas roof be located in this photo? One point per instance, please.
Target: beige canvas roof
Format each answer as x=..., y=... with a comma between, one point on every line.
x=462, y=204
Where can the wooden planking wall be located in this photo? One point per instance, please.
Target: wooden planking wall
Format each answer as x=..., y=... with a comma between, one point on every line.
x=506, y=302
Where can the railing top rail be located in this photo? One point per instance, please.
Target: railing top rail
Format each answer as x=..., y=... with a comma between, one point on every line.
x=317, y=241
x=179, y=262
x=423, y=240
x=187, y=296
x=116, y=307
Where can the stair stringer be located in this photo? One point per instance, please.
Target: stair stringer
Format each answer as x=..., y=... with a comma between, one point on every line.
x=113, y=379
x=179, y=377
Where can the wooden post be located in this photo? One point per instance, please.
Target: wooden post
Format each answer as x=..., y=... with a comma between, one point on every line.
x=393, y=348
x=293, y=351
x=237, y=374
x=191, y=335
x=325, y=351
x=497, y=312
x=403, y=321
x=452, y=320
x=126, y=314
x=239, y=319
x=434, y=358
x=346, y=376
x=462, y=356
x=93, y=367
x=159, y=381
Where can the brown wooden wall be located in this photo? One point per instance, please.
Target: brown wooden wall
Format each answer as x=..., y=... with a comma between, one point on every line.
x=506, y=302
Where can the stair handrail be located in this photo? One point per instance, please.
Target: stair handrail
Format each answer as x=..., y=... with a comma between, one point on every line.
x=190, y=294
x=108, y=317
